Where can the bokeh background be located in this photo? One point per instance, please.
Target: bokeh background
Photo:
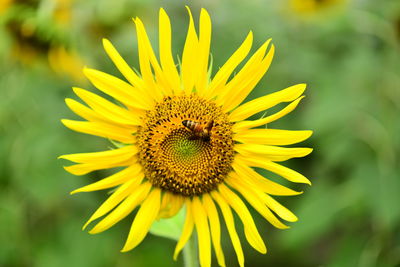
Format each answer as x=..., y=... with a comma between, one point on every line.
x=346, y=51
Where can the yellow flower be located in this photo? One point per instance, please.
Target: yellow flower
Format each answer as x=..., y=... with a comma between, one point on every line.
x=311, y=7
x=65, y=62
x=62, y=12
x=186, y=141
x=4, y=5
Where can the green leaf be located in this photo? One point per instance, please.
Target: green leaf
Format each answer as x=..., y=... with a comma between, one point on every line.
x=170, y=228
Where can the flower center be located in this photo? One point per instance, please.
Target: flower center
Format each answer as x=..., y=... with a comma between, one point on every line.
x=186, y=145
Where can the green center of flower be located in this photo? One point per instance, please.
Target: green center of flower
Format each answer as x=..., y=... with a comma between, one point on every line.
x=187, y=149
x=186, y=145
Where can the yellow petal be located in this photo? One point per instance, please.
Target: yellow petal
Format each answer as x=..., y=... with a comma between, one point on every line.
x=166, y=58
x=116, y=88
x=90, y=115
x=203, y=232
x=84, y=168
x=121, y=64
x=243, y=78
x=171, y=204
x=278, y=208
x=109, y=156
x=164, y=206
x=83, y=111
x=240, y=92
x=252, y=195
x=100, y=160
x=261, y=202
x=123, y=209
x=144, y=57
x=107, y=109
x=120, y=194
x=230, y=224
x=242, y=125
x=133, y=172
x=144, y=219
x=189, y=56
x=147, y=60
x=215, y=227
x=251, y=177
x=260, y=162
x=203, y=52
x=271, y=136
x=101, y=129
x=262, y=103
x=127, y=71
x=250, y=229
x=273, y=153
x=218, y=82
x=187, y=230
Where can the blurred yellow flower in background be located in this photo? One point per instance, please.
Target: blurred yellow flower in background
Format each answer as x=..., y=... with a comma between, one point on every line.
x=64, y=62
x=309, y=8
x=33, y=40
x=186, y=142
x=62, y=11
x=4, y=4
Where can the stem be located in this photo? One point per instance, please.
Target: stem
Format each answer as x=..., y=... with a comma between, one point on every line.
x=190, y=257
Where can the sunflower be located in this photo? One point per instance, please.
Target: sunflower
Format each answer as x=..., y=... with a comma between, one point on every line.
x=184, y=141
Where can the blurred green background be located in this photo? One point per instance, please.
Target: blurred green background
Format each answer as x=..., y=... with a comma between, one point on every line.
x=346, y=51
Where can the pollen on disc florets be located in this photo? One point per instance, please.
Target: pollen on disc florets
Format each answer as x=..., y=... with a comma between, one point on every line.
x=177, y=160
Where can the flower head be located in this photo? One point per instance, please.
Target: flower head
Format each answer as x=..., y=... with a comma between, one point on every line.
x=186, y=142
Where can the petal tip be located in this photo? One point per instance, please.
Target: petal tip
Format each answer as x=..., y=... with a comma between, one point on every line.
x=162, y=12
x=189, y=11
x=204, y=12
x=74, y=192
x=125, y=249
x=69, y=101
x=105, y=41
x=85, y=225
x=77, y=90
x=65, y=121
x=87, y=71
x=92, y=232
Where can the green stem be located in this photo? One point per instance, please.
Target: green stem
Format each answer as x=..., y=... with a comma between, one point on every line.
x=190, y=257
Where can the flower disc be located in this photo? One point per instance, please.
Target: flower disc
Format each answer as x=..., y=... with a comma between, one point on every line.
x=175, y=157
